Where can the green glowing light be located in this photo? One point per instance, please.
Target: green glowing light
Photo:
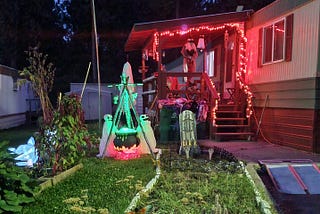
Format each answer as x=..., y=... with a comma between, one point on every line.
x=126, y=131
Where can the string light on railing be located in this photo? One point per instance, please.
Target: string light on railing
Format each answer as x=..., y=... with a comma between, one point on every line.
x=214, y=111
x=243, y=71
x=242, y=54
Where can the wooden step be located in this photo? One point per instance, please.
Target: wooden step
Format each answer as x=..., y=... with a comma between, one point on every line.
x=228, y=111
x=230, y=118
x=230, y=125
x=233, y=133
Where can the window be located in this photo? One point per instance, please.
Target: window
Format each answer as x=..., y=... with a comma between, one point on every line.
x=15, y=85
x=210, y=63
x=274, y=42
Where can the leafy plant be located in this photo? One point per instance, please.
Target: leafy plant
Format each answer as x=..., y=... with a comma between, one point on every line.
x=64, y=141
x=16, y=188
x=41, y=74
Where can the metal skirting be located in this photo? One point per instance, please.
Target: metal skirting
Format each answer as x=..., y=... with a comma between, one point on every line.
x=301, y=176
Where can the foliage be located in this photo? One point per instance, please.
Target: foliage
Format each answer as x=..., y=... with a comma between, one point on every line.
x=101, y=185
x=200, y=186
x=64, y=141
x=25, y=23
x=41, y=74
x=16, y=188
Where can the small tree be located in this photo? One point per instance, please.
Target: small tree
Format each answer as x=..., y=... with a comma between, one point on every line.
x=63, y=142
x=41, y=74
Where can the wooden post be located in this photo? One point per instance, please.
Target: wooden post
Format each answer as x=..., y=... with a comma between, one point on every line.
x=143, y=65
x=161, y=78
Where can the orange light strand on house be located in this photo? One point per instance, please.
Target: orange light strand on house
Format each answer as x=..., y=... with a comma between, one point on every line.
x=242, y=62
x=155, y=46
x=242, y=71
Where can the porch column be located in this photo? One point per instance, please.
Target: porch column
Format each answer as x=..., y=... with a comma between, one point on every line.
x=161, y=82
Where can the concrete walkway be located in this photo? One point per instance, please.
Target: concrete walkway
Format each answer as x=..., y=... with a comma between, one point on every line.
x=253, y=151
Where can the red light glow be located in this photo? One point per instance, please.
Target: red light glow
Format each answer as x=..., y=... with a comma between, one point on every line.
x=125, y=153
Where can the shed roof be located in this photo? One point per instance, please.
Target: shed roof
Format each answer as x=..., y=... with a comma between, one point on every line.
x=141, y=35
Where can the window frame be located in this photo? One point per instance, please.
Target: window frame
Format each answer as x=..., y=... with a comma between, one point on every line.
x=273, y=42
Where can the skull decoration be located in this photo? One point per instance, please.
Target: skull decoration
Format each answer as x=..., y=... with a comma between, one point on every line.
x=107, y=117
x=144, y=117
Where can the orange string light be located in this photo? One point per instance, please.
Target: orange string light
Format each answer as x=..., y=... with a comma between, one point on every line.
x=242, y=62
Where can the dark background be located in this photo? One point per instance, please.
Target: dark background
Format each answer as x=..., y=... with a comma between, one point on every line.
x=63, y=30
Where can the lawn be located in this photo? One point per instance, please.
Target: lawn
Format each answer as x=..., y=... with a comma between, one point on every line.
x=101, y=186
x=18, y=135
x=108, y=186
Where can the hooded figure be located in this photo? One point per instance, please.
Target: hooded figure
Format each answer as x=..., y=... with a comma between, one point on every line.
x=127, y=72
x=190, y=54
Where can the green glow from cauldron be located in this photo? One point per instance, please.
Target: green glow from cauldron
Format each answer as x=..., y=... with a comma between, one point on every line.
x=126, y=131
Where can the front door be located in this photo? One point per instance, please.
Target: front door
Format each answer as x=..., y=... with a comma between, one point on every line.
x=230, y=67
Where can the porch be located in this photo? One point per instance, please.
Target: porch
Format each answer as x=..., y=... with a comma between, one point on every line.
x=218, y=83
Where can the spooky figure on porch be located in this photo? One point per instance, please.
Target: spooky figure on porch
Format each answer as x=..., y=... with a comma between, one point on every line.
x=190, y=54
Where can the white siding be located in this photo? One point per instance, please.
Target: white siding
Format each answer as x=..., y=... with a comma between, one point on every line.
x=304, y=52
x=13, y=103
x=90, y=99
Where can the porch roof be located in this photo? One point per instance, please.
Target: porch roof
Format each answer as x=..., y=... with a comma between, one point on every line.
x=141, y=35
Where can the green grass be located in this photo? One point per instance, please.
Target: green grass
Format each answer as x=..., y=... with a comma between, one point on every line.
x=108, y=185
x=102, y=184
x=18, y=135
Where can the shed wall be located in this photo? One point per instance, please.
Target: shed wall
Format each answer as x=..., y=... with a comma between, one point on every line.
x=13, y=104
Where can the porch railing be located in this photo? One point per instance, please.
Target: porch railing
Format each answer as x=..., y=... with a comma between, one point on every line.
x=155, y=87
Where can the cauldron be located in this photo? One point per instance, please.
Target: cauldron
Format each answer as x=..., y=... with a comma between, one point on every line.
x=126, y=138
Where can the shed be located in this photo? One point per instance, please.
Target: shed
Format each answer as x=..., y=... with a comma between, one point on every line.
x=17, y=102
x=90, y=100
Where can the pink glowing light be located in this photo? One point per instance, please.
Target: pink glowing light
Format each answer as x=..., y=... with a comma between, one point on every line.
x=127, y=153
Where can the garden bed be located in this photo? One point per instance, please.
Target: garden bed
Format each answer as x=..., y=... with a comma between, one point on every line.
x=200, y=186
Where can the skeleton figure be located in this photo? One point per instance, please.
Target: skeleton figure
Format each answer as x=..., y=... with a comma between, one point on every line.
x=190, y=54
x=188, y=131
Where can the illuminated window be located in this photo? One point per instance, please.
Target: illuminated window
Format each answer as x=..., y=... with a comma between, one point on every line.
x=274, y=42
x=210, y=63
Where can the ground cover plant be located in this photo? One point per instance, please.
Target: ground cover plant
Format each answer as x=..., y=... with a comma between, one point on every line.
x=200, y=186
x=101, y=186
x=16, y=187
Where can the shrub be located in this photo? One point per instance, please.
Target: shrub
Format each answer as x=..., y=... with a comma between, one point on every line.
x=16, y=187
x=63, y=142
